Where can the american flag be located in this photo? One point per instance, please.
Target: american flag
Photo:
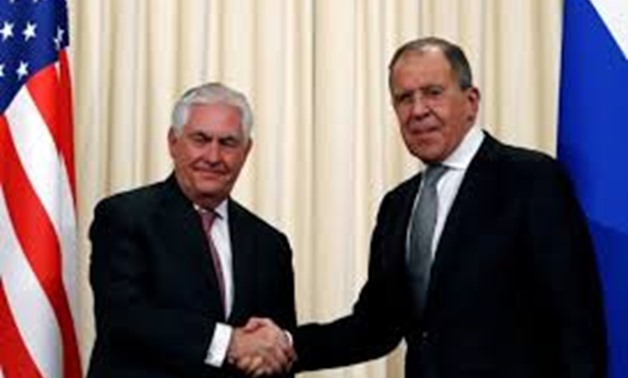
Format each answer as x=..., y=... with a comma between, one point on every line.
x=37, y=194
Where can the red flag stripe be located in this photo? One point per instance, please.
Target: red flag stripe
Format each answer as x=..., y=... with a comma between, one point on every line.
x=67, y=122
x=15, y=361
x=40, y=86
x=35, y=320
x=56, y=110
x=40, y=244
x=47, y=175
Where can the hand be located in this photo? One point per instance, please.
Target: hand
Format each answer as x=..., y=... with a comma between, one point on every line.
x=260, y=348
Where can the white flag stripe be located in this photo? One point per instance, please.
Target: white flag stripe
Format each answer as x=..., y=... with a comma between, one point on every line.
x=615, y=16
x=66, y=231
x=29, y=305
x=47, y=174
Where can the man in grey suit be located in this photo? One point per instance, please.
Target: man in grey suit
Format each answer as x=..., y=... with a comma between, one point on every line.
x=178, y=267
x=482, y=262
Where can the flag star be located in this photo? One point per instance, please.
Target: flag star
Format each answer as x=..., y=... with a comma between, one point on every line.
x=58, y=40
x=22, y=70
x=1, y=70
x=6, y=31
x=29, y=31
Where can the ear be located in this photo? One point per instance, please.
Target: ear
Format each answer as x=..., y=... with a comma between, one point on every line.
x=172, y=141
x=473, y=98
x=249, y=146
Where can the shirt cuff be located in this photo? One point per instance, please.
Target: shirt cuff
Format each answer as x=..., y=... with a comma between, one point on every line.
x=219, y=345
x=289, y=337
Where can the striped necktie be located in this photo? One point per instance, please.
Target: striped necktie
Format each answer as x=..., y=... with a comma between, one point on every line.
x=208, y=217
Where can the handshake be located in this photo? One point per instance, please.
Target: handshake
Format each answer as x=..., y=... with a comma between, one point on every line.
x=261, y=348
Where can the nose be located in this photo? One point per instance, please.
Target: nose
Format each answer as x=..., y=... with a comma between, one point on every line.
x=212, y=152
x=419, y=107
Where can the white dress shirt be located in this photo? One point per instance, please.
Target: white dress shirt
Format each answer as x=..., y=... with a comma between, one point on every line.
x=448, y=185
x=220, y=236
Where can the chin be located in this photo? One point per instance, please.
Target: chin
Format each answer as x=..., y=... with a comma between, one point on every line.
x=428, y=156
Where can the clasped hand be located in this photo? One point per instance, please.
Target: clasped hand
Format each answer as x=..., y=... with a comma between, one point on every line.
x=260, y=348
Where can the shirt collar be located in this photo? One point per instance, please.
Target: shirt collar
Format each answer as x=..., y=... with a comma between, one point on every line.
x=221, y=209
x=466, y=150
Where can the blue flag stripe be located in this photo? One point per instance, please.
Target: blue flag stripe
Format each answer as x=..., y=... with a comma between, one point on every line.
x=593, y=144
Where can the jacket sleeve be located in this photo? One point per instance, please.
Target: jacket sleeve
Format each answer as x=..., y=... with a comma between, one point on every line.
x=375, y=326
x=566, y=271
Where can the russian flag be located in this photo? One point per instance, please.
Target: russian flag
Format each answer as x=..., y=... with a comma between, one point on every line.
x=593, y=145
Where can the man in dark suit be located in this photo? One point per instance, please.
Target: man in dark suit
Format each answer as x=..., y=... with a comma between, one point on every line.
x=178, y=267
x=485, y=271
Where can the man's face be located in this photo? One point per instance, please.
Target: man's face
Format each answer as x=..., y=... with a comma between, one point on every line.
x=209, y=153
x=434, y=113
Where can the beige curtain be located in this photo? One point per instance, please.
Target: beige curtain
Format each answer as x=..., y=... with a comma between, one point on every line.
x=326, y=143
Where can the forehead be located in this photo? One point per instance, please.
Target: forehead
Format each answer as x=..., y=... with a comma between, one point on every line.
x=422, y=67
x=216, y=114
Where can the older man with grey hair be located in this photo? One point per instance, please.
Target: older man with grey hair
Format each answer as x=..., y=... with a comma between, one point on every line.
x=178, y=267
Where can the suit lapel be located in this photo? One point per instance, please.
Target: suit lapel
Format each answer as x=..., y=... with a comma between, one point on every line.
x=475, y=191
x=401, y=220
x=185, y=240
x=245, y=260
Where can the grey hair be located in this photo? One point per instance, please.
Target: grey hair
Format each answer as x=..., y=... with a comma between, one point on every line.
x=453, y=53
x=207, y=94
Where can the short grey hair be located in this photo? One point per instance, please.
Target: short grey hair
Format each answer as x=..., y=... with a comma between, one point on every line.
x=207, y=94
x=453, y=53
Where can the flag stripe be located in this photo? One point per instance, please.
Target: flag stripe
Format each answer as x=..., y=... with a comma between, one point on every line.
x=39, y=86
x=15, y=361
x=55, y=117
x=33, y=332
x=614, y=14
x=591, y=143
x=46, y=173
x=38, y=240
x=37, y=152
x=65, y=113
x=53, y=110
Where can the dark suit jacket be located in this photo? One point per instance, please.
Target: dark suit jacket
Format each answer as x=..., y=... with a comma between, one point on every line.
x=155, y=290
x=514, y=290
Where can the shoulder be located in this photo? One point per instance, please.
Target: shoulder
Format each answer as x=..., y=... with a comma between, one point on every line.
x=134, y=200
x=259, y=234
x=515, y=161
x=406, y=188
x=523, y=170
x=244, y=217
x=399, y=199
x=136, y=206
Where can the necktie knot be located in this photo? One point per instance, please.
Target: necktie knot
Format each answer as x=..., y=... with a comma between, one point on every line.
x=433, y=173
x=208, y=217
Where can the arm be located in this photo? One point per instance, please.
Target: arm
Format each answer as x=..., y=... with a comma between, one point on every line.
x=376, y=324
x=566, y=274
x=263, y=346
